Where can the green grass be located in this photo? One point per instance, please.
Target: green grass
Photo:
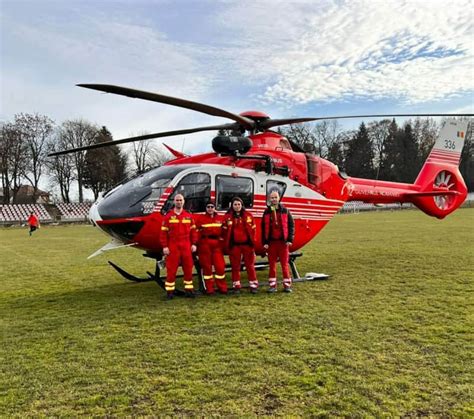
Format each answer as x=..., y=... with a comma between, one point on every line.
x=390, y=334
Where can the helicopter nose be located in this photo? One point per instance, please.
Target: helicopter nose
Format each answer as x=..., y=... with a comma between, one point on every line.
x=94, y=215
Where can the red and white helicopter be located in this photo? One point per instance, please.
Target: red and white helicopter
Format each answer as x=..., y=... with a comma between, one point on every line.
x=249, y=167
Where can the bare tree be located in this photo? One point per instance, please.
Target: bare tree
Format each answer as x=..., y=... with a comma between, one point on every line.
x=13, y=160
x=145, y=155
x=325, y=135
x=36, y=131
x=425, y=132
x=301, y=134
x=319, y=137
x=78, y=133
x=61, y=169
x=158, y=157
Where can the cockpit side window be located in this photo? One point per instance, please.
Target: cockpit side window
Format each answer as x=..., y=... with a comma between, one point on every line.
x=284, y=144
x=228, y=186
x=196, y=189
x=275, y=185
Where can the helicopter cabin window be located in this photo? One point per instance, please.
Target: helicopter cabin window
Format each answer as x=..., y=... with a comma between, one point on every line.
x=275, y=185
x=284, y=144
x=228, y=187
x=196, y=189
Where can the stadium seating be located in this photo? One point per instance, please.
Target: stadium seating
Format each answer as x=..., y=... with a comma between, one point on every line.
x=21, y=212
x=74, y=211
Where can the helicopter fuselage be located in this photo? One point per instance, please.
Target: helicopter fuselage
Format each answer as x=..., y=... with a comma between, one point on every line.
x=312, y=188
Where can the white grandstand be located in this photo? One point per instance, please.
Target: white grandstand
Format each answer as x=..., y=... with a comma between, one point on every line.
x=21, y=212
x=74, y=211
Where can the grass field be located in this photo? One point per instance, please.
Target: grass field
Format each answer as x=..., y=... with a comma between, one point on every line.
x=390, y=334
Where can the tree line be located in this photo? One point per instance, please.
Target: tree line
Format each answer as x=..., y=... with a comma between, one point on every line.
x=26, y=142
x=379, y=150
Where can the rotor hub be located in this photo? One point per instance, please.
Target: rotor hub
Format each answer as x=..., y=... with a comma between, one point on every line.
x=255, y=115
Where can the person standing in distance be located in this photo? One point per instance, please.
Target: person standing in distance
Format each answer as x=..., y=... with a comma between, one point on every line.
x=33, y=222
x=178, y=239
x=209, y=226
x=239, y=239
x=278, y=230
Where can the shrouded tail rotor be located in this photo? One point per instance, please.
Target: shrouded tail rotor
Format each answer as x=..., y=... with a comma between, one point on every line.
x=445, y=179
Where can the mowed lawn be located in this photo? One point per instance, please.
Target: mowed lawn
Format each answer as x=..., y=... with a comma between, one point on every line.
x=390, y=333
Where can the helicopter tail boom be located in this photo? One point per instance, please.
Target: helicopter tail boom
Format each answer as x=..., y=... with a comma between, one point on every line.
x=439, y=188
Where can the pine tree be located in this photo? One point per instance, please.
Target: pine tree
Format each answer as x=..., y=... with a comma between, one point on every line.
x=409, y=160
x=360, y=155
x=104, y=167
x=391, y=154
x=467, y=160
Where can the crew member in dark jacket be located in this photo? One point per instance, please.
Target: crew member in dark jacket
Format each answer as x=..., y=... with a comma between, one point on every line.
x=278, y=231
x=239, y=239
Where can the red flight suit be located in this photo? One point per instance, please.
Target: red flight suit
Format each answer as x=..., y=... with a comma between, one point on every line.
x=178, y=233
x=239, y=238
x=277, y=232
x=210, y=251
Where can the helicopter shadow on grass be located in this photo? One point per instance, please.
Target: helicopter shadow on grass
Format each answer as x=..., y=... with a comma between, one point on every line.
x=105, y=302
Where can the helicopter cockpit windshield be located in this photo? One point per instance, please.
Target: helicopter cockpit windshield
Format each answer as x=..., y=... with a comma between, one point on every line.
x=138, y=196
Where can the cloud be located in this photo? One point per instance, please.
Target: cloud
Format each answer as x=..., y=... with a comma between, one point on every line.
x=277, y=53
x=52, y=55
x=411, y=51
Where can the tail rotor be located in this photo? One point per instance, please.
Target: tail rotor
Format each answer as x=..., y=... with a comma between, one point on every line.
x=445, y=180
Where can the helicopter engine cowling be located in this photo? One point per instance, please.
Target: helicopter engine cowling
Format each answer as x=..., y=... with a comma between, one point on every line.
x=231, y=145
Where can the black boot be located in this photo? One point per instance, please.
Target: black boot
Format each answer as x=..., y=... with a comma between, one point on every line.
x=190, y=294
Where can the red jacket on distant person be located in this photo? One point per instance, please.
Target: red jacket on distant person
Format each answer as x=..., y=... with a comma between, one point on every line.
x=33, y=221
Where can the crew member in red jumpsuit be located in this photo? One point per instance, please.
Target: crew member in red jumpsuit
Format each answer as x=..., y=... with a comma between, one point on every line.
x=33, y=222
x=178, y=239
x=239, y=238
x=210, y=251
x=277, y=236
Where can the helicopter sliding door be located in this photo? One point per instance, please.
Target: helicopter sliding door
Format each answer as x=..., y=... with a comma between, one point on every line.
x=196, y=189
x=227, y=187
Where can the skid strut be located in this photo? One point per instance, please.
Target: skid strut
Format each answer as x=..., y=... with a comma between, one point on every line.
x=259, y=265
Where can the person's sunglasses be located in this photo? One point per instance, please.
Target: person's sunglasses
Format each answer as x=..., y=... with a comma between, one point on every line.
x=209, y=206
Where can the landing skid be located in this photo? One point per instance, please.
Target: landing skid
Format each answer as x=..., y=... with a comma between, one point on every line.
x=259, y=265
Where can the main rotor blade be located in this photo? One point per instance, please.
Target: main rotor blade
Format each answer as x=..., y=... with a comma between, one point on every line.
x=277, y=122
x=173, y=101
x=370, y=116
x=147, y=137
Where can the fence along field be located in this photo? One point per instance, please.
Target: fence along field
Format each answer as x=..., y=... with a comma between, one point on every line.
x=389, y=334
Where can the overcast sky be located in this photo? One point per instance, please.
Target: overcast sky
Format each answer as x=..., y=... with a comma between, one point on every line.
x=286, y=58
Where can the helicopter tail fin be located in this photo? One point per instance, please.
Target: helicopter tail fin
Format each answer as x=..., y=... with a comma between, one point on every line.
x=442, y=188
